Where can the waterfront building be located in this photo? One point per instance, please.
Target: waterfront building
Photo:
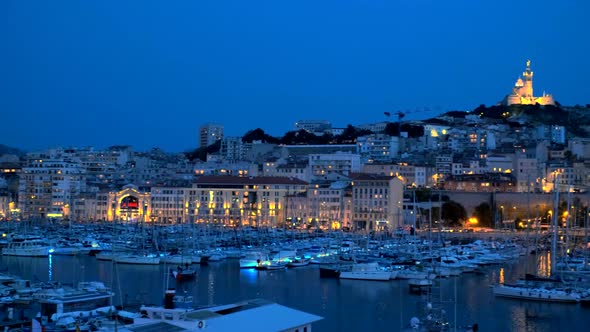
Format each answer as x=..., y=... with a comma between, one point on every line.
x=522, y=93
x=233, y=200
x=170, y=204
x=47, y=187
x=210, y=133
x=326, y=204
x=129, y=204
x=377, y=202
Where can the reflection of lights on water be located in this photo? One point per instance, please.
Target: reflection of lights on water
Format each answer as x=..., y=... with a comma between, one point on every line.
x=50, y=267
x=211, y=288
x=502, y=275
x=544, y=265
x=250, y=274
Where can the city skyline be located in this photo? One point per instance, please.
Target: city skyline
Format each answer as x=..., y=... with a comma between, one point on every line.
x=150, y=74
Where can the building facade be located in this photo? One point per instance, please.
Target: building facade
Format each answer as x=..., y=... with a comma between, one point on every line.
x=210, y=133
x=377, y=202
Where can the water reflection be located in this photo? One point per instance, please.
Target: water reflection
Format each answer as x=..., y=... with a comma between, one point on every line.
x=347, y=305
x=50, y=268
x=544, y=265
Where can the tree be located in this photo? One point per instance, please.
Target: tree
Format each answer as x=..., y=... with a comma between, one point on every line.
x=259, y=135
x=453, y=213
x=350, y=134
x=483, y=213
x=201, y=153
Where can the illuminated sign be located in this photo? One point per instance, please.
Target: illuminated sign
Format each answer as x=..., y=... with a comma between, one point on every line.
x=130, y=202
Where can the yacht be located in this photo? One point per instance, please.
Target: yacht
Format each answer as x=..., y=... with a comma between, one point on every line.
x=27, y=247
x=538, y=293
x=366, y=271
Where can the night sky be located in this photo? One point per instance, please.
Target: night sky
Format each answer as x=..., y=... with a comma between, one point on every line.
x=148, y=73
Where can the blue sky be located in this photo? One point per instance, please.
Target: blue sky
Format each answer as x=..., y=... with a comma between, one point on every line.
x=148, y=73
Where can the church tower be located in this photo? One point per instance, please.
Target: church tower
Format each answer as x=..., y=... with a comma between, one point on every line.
x=527, y=89
x=522, y=92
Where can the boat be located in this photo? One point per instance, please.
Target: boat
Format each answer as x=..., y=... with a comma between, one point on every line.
x=271, y=265
x=183, y=273
x=366, y=271
x=62, y=299
x=298, y=262
x=137, y=259
x=329, y=271
x=538, y=293
x=27, y=247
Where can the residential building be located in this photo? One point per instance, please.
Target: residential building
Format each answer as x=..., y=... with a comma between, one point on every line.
x=377, y=202
x=233, y=200
x=323, y=165
x=47, y=187
x=316, y=127
x=210, y=133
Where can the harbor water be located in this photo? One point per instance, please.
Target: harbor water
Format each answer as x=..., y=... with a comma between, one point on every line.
x=346, y=305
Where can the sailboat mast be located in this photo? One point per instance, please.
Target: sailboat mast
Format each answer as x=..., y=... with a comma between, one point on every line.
x=554, y=226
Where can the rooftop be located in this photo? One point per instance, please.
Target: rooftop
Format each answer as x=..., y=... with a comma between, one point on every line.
x=253, y=180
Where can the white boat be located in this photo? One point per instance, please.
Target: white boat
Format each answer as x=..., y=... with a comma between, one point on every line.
x=271, y=265
x=66, y=251
x=414, y=274
x=27, y=247
x=137, y=259
x=298, y=262
x=366, y=271
x=534, y=293
x=87, y=296
x=105, y=256
x=176, y=259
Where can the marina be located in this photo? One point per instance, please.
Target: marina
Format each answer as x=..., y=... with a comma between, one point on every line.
x=350, y=289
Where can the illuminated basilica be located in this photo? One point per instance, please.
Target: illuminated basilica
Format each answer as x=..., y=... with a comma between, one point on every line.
x=522, y=93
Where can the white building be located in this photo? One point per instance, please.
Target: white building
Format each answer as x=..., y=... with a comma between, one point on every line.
x=378, y=147
x=48, y=187
x=322, y=165
x=233, y=149
x=558, y=134
x=377, y=202
x=526, y=171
